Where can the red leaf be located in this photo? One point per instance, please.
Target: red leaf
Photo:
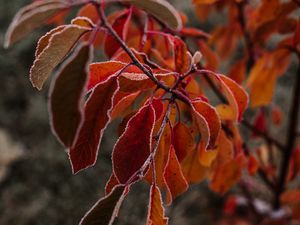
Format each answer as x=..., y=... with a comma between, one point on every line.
x=66, y=95
x=123, y=105
x=99, y=72
x=120, y=25
x=174, y=178
x=134, y=146
x=84, y=152
x=158, y=108
x=106, y=209
x=111, y=184
x=194, y=33
x=208, y=122
x=260, y=123
x=156, y=213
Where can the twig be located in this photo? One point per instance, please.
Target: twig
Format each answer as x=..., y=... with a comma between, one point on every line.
x=132, y=56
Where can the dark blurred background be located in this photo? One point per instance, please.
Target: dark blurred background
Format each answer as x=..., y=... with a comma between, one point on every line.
x=36, y=182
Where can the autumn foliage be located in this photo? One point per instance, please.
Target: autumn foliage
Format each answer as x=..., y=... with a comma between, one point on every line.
x=181, y=118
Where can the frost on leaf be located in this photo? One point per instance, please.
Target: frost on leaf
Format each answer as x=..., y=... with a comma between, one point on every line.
x=106, y=209
x=59, y=46
x=97, y=110
x=31, y=17
x=133, y=147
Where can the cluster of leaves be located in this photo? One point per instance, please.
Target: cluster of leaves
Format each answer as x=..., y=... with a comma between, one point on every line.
x=172, y=133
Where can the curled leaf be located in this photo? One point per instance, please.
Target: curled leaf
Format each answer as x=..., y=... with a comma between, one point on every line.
x=208, y=122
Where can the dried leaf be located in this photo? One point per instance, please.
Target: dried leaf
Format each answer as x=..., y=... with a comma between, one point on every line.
x=31, y=17
x=66, y=95
x=106, y=209
x=60, y=44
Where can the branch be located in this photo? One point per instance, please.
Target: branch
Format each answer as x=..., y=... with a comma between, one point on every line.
x=134, y=59
x=247, y=38
x=291, y=139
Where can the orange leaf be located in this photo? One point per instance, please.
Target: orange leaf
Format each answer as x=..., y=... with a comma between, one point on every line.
x=208, y=122
x=206, y=157
x=226, y=176
x=175, y=180
x=156, y=212
x=211, y=59
x=183, y=141
x=236, y=95
x=264, y=74
x=194, y=33
x=192, y=169
x=238, y=71
x=134, y=146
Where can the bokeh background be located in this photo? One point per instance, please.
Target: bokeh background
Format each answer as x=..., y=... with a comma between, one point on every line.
x=36, y=183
